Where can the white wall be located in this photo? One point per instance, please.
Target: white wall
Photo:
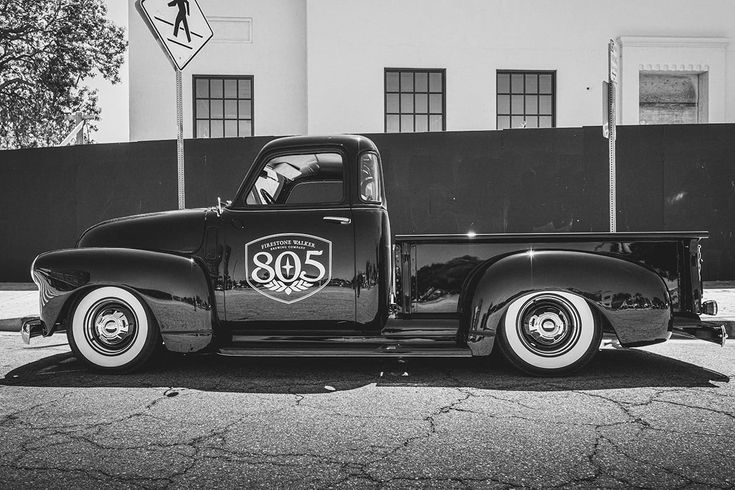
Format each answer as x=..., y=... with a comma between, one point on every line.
x=113, y=126
x=319, y=64
x=474, y=38
x=276, y=57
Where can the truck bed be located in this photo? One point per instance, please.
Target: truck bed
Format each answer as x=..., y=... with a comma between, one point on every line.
x=433, y=267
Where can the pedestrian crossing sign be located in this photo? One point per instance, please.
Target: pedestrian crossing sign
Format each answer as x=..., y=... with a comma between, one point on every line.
x=180, y=25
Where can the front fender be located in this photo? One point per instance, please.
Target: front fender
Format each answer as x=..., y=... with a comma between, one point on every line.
x=175, y=288
x=633, y=299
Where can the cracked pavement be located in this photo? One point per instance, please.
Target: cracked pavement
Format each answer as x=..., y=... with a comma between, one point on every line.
x=663, y=416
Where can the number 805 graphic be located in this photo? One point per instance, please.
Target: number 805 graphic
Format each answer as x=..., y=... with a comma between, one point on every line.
x=289, y=262
x=288, y=267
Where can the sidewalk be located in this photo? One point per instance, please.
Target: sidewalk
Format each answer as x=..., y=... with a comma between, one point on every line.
x=16, y=301
x=20, y=299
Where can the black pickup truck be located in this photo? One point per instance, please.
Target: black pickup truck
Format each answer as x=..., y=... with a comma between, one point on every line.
x=302, y=262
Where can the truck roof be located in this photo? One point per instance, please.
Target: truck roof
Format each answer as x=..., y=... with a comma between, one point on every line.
x=350, y=142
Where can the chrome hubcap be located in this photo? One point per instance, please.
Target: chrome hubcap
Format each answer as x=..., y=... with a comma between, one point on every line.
x=548, y=325
x=112, y=327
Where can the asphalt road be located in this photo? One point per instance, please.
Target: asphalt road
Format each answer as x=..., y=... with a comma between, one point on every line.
x=659, y=417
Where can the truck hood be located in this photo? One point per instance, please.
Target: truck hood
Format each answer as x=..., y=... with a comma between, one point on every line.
x=170, y=231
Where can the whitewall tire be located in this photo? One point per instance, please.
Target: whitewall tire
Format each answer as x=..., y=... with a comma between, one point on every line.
x=549, y=333
x=111, y=330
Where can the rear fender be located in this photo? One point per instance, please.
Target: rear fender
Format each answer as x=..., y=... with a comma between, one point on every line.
x=632, y=299
x=175, y=289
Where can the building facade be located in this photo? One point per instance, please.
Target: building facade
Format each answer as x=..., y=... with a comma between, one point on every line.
x=277, y=67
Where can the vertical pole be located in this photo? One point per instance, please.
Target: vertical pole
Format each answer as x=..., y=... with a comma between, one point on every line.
x=613, y=164
x=79, y=118
x=611, y=116
x=180, y=141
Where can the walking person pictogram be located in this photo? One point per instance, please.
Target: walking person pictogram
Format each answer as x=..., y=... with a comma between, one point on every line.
x=183, y=6
x=167, y=17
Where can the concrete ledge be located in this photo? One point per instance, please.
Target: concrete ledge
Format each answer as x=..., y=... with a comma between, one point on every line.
x=13, y=325
x=718, y=284
x=18, y=286
x=10, y=325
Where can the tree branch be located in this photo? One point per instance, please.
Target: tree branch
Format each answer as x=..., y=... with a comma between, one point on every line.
x=14, y=81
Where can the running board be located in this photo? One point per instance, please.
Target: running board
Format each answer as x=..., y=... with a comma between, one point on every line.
x=335, y=351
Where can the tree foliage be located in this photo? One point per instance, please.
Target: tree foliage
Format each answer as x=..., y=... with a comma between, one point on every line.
x=47, y=49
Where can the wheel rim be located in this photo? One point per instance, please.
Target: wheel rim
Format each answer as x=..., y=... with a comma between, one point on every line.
x=111, y=326
x=548, y=325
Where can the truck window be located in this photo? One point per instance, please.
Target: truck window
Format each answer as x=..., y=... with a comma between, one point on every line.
x=371, y=181
x=315, y=178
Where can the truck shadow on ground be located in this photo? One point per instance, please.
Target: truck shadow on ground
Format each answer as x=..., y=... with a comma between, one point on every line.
x=611, y=369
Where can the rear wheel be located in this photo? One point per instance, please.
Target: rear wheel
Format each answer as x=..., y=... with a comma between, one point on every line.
x=549, y=333
x=111, y=330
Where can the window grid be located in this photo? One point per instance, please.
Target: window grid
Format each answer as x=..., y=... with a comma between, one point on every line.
x=415, y=100
x=223, y=106
x=525, y=99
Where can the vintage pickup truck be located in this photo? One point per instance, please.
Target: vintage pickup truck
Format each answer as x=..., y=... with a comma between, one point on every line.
x=302, y=262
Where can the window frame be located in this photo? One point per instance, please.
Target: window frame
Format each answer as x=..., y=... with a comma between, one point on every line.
x=240, y=203
x=428, y=113
x=701, y=86
x=510, y=93
x=194, y=79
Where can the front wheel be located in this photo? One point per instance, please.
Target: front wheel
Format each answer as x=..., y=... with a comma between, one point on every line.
x=112, y=331
x=549, y=333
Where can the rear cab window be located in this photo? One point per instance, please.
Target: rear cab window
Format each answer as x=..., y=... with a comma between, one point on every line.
x=371, y=179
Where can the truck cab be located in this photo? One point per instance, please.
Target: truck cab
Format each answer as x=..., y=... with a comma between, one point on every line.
x=304, y=247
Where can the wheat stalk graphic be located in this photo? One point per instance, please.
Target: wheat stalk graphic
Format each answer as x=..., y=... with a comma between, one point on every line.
x=280, y=287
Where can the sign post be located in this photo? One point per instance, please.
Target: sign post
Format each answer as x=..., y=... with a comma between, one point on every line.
x=181, y=182
x=608, y=127
x=182, y=30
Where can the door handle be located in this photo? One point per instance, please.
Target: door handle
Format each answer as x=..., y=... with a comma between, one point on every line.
x=338, y=219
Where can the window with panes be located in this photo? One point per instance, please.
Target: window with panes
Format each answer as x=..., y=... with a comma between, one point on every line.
x=223, y=106
x=526, y=99
x=415, y=100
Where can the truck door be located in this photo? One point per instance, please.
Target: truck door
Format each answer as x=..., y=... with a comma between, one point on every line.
x=290, y=238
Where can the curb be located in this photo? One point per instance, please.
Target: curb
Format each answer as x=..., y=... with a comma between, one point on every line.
x=18, y=286
x=10, y=325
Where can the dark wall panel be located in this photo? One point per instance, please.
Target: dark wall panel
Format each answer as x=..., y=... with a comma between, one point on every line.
x=596, y=169
x=432, y=182
x=491, y=181
x=215, y=167
x=669, y=178
x=50, y=195
x=640, y=156
x=699, y=190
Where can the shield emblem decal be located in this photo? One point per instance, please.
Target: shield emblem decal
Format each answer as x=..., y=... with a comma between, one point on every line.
x=288, y=267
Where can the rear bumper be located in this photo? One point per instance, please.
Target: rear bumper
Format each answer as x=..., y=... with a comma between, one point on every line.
x=31, y=327
x=695, y=328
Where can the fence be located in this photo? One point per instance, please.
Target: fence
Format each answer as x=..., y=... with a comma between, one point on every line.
x=669, y=178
